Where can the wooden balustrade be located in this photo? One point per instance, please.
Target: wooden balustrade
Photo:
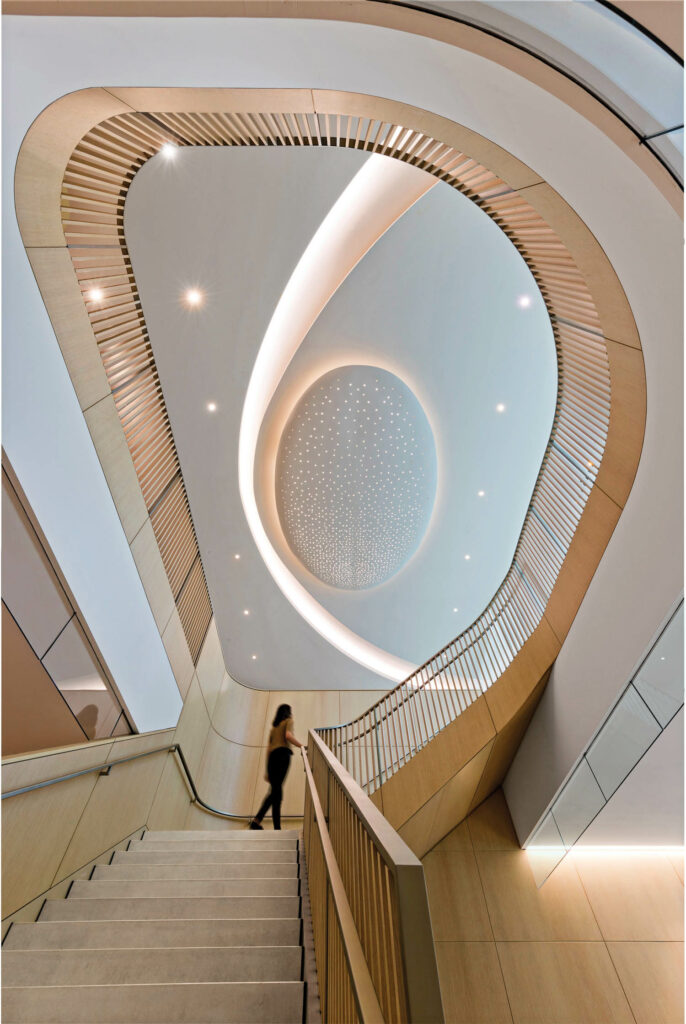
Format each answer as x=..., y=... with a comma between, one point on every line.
x=370, y=916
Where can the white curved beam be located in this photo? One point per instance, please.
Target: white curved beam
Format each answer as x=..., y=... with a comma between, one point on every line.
x=377, y=196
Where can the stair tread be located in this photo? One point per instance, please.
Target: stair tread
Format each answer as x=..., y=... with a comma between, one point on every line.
x=134, y=871
x=153, y=933
x=216, y=856
x=61, y=967
x=218, y=835
x=157, y=907
x=185, y=887
x=238, y=845
x=270, y=1002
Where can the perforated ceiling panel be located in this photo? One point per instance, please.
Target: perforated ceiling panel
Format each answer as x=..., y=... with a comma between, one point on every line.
x=356, y=477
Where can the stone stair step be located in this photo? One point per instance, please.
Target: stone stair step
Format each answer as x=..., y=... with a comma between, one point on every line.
x=238, y=845
x=230, y=835
x=156, y=908
x=137, y=871
x=276, y=1002
x=60, y=967
x=221, y=856
x=152, y=934
x=85, y=889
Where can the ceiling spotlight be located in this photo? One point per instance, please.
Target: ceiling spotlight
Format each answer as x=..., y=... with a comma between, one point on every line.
x=481, y=494
x=254, y=657
x=96, y=295
x=500, y=407
x=662, y=658
x=456, y=609
x=168, y=150
x=467, y=558
x=211, y=406
x=246, y=611
x=193, y=297
x=237, y=557
x=524, y=301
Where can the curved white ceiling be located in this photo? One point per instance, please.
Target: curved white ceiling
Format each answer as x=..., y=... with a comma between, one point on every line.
x=356, y=477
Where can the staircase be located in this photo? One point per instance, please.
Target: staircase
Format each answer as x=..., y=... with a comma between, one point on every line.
x=182, y=926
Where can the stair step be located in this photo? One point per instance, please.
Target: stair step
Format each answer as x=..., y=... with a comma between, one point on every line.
x=152, y=934
x=139, y=871
x=223, y=856
x=238, y=845
x=59, y=967
x=160, y=907
x=85, y=889
x=230, y=835
x=276, y=1002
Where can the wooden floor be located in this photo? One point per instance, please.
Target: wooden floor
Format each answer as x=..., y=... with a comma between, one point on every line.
x=600, y=942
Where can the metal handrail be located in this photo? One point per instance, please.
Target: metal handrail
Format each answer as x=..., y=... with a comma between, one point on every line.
x=104, y=769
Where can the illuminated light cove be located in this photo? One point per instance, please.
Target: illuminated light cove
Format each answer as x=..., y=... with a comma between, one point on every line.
x=356, y=477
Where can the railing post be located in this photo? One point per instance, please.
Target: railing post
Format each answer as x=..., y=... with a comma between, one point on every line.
x=378, y=751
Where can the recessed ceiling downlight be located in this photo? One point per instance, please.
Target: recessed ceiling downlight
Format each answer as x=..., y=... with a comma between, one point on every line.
x=356, y=477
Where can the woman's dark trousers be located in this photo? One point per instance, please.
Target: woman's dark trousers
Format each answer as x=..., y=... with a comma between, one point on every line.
x=277, y=767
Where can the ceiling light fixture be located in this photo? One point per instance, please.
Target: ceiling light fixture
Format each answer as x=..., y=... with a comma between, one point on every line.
x=246, y=611
x=96, y=295
x=500, y=407
x=480, y=494
x=193, y=297
x=168, y=150
x=254, y=657
x=467, y=558
x=456, y=609
x=211, y=406
x=524, y=301
x=236, y=557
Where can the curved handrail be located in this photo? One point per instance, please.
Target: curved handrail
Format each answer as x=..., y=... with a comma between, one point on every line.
x=104, y=769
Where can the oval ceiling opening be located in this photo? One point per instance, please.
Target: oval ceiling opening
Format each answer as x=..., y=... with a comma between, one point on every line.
x=356, y=477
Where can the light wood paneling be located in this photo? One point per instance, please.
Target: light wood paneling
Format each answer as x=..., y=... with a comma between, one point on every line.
x=37, y=828
x=115, y=459
x=458, y=909
x=63, y=300
x=210, y=668
x=172, y=799
x=118, y=805
x=634, y=897
x=471, y=983
x=193, y=727
x=652, y=976
x=490, y=825
x=564, y=982
x=146, y=555
x=176, y=646
x=240, y=713
x=228, y=775
x=520, y=911
x=456, y=796
x=458, y=839
x=418, y=829
x=34, y=713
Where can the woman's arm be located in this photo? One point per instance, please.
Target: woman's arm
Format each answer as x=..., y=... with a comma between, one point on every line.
x=291, y=739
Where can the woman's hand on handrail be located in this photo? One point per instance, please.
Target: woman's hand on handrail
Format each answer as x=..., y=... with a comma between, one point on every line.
x=291, y=739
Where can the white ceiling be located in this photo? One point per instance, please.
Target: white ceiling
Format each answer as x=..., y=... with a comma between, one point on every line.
x=435, y=302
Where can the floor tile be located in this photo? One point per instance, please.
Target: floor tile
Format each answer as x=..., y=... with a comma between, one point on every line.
x=519, y=910
x=634, y=898
x=456, y=899
x=562, y=983
x=652, y=975
x=472, y=983
x=490, y=825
